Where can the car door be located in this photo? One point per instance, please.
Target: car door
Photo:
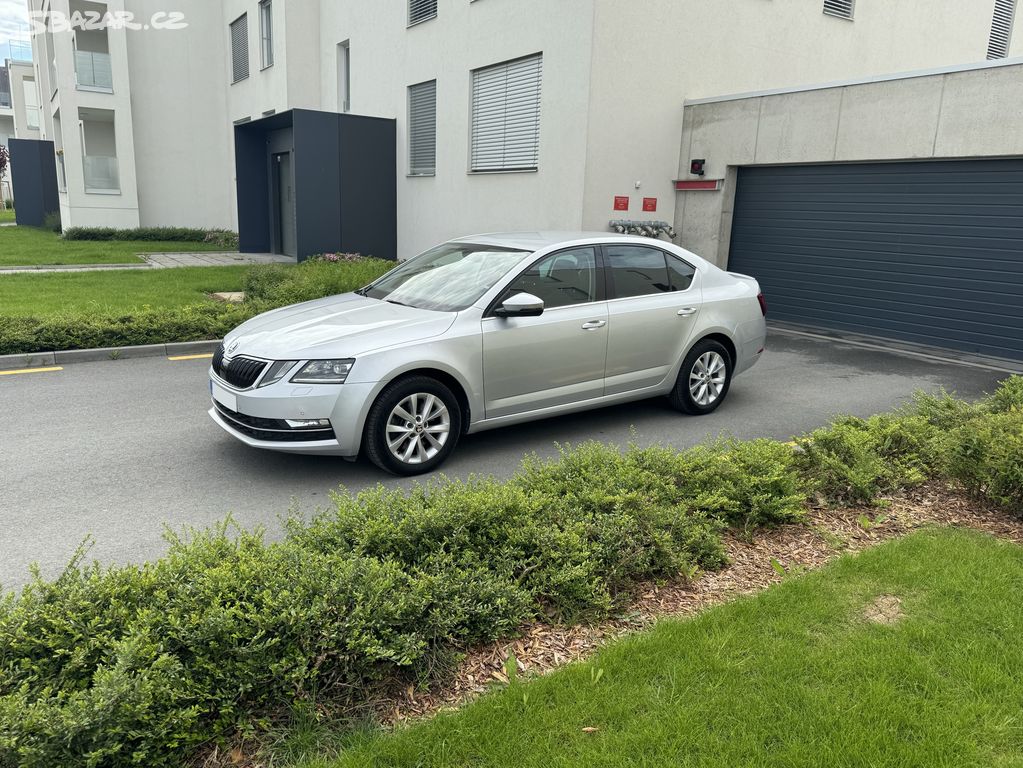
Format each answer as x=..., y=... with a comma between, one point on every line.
x=653, y=303
x=530, y=363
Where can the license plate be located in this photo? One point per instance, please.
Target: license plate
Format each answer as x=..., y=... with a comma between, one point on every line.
x=222, y=396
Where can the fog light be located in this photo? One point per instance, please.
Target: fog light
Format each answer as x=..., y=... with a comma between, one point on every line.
x=307, y=423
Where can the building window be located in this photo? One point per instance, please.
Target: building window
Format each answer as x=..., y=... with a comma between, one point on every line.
x=344, y=77
x=506, y=116
x=28, y=86
x=266, y=33
x=240, y=48
x=421, y=10
x=1001, y=29
x=843, y=9
x=422, y=129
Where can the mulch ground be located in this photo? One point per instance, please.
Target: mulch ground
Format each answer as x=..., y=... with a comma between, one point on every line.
x=755, y=565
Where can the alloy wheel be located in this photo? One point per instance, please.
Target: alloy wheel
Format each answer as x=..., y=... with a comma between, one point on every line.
x=418, y=428
x=707, y=378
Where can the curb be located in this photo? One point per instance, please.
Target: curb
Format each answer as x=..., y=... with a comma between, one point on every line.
x=66, y=357
x=73, y=267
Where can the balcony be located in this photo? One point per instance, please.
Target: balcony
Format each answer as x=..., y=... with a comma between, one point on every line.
x=92, y=71
x=101, y=175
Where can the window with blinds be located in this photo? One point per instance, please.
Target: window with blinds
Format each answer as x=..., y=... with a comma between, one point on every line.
x=843, y=9
x=506, y=116
x=422, y=129
x=421, y=10
x=240, y=48
x=1001, y=29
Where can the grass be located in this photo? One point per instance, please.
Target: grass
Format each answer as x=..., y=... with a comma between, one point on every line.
x=795, y=676
x=6, y=215
x=113, y=290
x=28, y=246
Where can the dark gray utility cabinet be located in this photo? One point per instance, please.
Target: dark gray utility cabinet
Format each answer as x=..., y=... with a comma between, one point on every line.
x=314, y=182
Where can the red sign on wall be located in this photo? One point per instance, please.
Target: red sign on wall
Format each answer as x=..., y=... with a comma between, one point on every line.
x=650, y=204
x=621, y=202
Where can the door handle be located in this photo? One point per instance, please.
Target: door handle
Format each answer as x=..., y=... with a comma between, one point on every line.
x=687, y=311
x=593, y=325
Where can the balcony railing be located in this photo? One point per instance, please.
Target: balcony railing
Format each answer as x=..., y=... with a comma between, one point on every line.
x=101, y=174
x=5, y=99
x=93, y=70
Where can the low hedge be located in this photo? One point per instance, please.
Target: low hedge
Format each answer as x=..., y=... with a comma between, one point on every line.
x=141, y=665
x=267, y=287
x=223, y=238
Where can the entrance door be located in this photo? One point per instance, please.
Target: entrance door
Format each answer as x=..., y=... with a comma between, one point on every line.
x=287, y=238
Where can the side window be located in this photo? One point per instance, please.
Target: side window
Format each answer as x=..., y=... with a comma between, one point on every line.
x=637, y=271
x=681, y=274
x=561, y=279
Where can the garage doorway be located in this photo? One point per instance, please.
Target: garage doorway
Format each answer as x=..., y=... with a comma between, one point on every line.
x=929, y=252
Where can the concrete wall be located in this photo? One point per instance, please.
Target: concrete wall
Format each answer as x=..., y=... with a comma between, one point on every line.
x=387, y=57
x=650, y=55
x=973, y=113
x=20, y=72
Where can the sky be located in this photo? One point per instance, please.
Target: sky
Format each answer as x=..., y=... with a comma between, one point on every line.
x=13, y=23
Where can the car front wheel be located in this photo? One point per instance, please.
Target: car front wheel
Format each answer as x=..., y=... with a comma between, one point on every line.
x=413, y=426
x=704, y=379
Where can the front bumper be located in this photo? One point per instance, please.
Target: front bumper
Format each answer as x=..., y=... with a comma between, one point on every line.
x=344, y=405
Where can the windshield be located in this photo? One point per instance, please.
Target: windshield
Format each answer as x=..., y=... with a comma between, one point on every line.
x=448, y=278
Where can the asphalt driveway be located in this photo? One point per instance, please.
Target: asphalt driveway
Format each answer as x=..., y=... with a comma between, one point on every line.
x=118, y=450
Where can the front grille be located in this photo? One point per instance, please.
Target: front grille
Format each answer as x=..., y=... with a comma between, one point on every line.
x=273, y=430
x=240, y=372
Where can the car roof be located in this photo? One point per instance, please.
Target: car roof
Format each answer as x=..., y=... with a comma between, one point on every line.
x=534, y=241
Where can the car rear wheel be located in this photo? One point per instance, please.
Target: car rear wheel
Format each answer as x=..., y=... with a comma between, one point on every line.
x=413, y=426
x=704, y=379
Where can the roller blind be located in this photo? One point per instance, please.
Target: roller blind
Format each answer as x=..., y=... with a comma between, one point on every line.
x=422, y=128
x=240, y=48
x=506, y=116
x=1001, y=29
x=841, y=8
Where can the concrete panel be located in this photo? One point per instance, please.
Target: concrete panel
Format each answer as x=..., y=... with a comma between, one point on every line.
x=799, y=127
x=701, y=224
x=731, y=125
x=982, y=114
x=889, y=120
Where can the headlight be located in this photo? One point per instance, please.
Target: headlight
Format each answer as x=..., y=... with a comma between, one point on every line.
x=277, y=372
x=323, y=372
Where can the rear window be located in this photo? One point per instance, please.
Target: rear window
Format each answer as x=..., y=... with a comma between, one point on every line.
x=637, y=270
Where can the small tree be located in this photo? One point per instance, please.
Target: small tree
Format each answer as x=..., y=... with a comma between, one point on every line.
x=5, y=158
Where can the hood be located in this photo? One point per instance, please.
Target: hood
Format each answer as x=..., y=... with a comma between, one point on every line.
x=335, y=327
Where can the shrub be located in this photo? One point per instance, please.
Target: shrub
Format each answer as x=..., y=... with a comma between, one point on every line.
x=155, y=234
x=82, y=330
x=51, y=222
x=1008, y=396
x=9, y=204
x=855, y=460
x=280, y=285
x=986, y=458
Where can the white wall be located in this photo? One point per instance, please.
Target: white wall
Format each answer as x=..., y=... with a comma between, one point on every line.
x=387, y=58
x=651, y=55
x=183, y=149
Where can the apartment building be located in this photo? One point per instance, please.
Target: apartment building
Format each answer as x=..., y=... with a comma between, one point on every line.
x=19, y=106
x=510, y=114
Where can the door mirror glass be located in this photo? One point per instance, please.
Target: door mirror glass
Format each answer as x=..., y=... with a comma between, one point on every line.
x=521, y=305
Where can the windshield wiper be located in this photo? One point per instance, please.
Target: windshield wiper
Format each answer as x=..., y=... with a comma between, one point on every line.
x=399, y=303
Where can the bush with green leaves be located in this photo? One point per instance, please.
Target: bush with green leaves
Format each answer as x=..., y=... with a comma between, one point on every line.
x=223, y=238
x=856, y=460
x=985, y=456
x=281, y=285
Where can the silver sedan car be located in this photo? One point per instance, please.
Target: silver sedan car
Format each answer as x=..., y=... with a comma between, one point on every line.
x=482, y=332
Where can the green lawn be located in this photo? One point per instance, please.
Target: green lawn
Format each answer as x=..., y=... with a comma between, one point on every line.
x=7, y=215
x=113, y=290
x=795, y=676
x=27, y=246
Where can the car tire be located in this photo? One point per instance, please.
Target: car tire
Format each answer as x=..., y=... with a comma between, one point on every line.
x=704, y=379
x=413, y=426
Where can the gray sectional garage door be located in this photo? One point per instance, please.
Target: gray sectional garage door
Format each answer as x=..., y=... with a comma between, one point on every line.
x=928, y=252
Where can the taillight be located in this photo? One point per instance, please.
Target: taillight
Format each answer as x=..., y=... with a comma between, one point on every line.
x=763, y=303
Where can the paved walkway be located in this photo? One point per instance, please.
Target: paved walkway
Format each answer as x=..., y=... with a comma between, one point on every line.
x=164, y=261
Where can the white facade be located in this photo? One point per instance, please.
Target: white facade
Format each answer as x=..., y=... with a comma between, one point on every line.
x=615, y=76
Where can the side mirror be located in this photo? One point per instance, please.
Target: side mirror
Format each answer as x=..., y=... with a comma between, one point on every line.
x=521, y=305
